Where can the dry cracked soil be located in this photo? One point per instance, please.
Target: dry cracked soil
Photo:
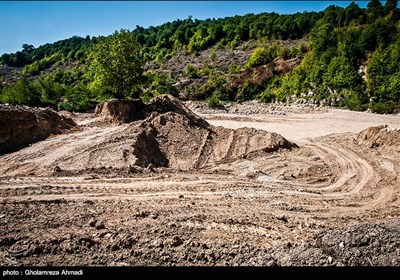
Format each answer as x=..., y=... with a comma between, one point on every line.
x=243, y=185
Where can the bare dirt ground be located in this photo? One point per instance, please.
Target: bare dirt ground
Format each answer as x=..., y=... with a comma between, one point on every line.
x=80, y=199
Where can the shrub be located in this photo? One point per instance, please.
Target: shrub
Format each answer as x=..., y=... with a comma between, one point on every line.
x=190, y=71
x=262, y=56
x=213, y=101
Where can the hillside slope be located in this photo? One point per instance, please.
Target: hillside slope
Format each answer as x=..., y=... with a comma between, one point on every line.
x=347, y=57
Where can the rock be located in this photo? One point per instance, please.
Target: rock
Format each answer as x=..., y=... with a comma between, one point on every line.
x=142, y=214
x=69, y=248
x=56, y=169
x=272, y=263
x=181, y=196
x=114, y=247
x=92, y=222
x=7, y=241
x=35, y=249
x=87, y=242
x=99, y=225
x=153, y=216
x=176, y=241
x=282, y=218
x=150, y=167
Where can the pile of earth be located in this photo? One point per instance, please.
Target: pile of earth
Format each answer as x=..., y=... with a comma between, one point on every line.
x=115, y=111
x=379, y=136
x=21, y=126
x=169, y=135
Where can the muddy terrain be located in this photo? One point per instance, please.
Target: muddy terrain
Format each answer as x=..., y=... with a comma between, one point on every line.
x=241, y=185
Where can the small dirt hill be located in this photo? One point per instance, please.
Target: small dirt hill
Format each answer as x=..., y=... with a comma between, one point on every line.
x=170, y=135
x=21, y=126
x=115, y=111
x=379, y=136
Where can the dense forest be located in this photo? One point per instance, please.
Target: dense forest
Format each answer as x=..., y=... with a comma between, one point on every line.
x=347, y=57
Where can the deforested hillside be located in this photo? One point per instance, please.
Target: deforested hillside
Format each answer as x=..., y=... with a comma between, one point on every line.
x=345, y=57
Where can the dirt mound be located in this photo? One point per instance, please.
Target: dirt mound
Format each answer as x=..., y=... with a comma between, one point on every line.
x=126, y=111
x=21, y=126
x=168, y=103
x=115, y=111
x=189, y=147
x=171, y=136
x=378, y=136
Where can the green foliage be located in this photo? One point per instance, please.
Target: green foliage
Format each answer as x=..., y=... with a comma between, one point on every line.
x=213, y=57
x=79, y=99
x=190, y=71
x=353, y=100
x=233, y=69
x=65, y=50
x=48, y=93
x=159, y=84
x=116, y=67
x=206, y=71
x=340, y=40
x=248, y=91
x=383, y=108
x=213, y=101
x=23, y=92
x=262, y=56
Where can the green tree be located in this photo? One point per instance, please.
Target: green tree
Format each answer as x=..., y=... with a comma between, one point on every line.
x=374, y=9
x=28, y=48
x=390, y=5
x=117, y=67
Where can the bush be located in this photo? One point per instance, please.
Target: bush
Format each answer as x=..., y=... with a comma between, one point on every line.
x=267, y=96
x=262, y=56
x=213, y=101
x=248, y=91
x=382, y=108
x=352, y=101
x=23, y=92
x=190, y=72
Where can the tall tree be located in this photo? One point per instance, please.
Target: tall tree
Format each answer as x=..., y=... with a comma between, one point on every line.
x=117, y=66
x=390, y=5
x=374, y=9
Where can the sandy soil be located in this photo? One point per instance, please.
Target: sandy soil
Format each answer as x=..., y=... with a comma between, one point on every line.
x=300, y=126
x=332, y=201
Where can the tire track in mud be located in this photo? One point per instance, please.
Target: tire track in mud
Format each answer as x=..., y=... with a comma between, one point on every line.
x=357, y=183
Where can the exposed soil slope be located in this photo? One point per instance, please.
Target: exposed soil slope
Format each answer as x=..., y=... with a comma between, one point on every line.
x=21, y=126
x=379, y=136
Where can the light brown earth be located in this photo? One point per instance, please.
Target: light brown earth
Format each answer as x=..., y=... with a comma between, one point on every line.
x=97, y=196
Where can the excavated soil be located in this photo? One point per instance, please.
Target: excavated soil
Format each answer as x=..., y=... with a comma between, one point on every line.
x=21, y=126
x=174, y=189
x=378, y=136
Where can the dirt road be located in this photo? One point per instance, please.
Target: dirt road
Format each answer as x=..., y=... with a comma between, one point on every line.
x=299, y=126
x=331, y=201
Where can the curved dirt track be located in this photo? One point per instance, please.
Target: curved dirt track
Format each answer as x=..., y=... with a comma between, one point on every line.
x=246, y=212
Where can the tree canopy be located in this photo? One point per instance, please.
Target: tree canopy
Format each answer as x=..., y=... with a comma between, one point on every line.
x=116, y=65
